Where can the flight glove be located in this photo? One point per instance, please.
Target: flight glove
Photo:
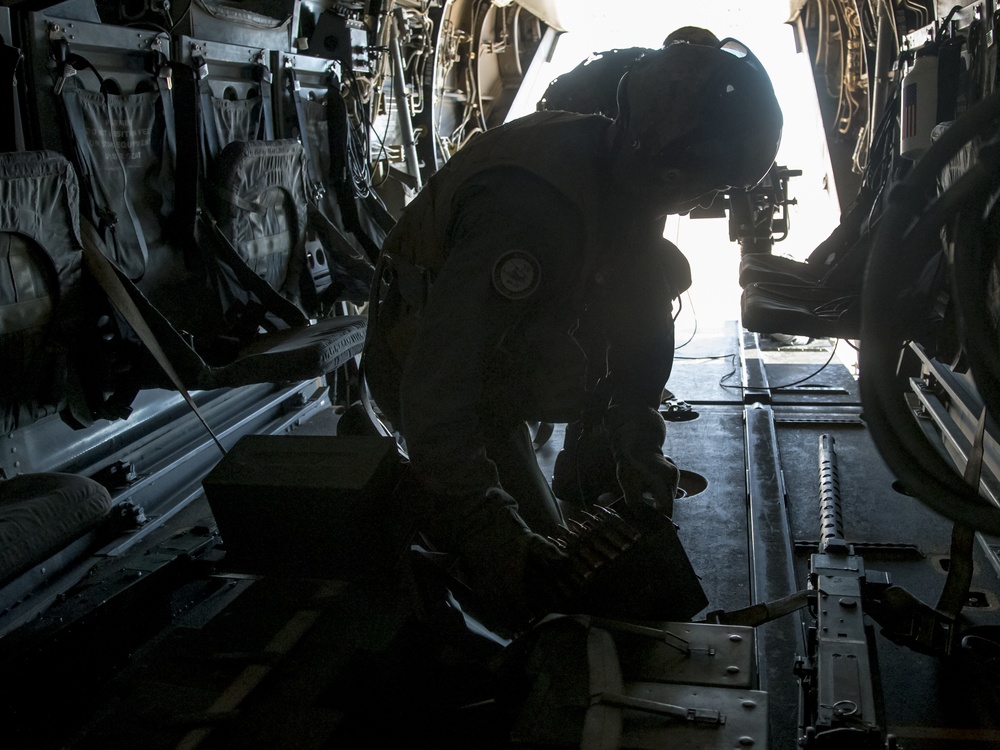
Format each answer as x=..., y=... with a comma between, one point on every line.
x=644, y=473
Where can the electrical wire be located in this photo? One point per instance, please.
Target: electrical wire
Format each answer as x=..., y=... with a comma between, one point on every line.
x=833, y=353
x=680, y=307
x=695, y=358
x=732, y=372
x=735, y=369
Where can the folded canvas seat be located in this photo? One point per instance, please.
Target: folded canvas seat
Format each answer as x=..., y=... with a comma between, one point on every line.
x=207, y=304
x=40, y=288
x=292, y=355
x=203, y=363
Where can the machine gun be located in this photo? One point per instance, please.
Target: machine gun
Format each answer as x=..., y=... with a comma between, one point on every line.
x=757, y=217
x=839, y=704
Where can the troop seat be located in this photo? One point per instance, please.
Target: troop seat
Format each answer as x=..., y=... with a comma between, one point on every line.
x=815, y=311
x=817, y=297
x=40, y=290
x=309, y=108
x=221, y=304
x=765, y=267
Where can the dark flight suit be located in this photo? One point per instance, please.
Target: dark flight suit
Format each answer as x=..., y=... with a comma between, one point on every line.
x=517, y=280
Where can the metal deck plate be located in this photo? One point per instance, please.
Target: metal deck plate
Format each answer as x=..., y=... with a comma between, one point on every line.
x=745, y=713
x=692, y=654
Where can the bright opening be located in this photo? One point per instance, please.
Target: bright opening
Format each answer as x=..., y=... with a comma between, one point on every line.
x=594, y=26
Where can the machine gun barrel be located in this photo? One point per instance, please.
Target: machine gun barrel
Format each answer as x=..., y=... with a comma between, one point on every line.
x=831, y=517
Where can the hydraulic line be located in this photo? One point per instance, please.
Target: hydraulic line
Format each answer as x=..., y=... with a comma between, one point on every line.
x=906, y=240
x=977, y=239
x=399, y=88
x=887, y=49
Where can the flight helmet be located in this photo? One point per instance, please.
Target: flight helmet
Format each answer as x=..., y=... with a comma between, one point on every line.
x=705, y=108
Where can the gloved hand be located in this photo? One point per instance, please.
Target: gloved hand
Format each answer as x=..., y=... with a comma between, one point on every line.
x=513, y=571
x=511, y=568
x=649, y=477
x=637, y=437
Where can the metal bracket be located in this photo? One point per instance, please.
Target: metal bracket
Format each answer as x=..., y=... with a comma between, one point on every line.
x=697, y=715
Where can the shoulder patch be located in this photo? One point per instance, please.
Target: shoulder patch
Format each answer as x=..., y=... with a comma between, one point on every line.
x=516, y=274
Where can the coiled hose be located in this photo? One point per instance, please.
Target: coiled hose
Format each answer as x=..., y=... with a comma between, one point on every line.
x=896, y=302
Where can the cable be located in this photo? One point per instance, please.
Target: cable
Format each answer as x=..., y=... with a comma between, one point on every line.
x=382, y=138
x=358, y=143
x=680, y=307
x=706, y=356
x=731, y=373
x=833, y=352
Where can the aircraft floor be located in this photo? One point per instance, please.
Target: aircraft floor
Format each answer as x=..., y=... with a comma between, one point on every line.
x=232, y=661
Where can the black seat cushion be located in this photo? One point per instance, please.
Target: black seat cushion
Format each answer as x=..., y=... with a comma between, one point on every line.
x=819, y=312
x=764, y=267
x=42, y=513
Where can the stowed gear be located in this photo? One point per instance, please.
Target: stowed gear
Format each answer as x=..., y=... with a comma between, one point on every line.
x=494, y=554
x=510, y=568
x=625, y=561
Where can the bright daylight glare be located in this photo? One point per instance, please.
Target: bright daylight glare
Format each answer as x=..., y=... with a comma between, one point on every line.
x=594, y=25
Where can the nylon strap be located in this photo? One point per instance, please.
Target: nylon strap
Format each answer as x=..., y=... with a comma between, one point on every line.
x=209, y=141
x=108, y=277
x=164, y=84
x=265, y=131
x=268, y=295
x=957, y=585
x=312, y=168
x=758, y=614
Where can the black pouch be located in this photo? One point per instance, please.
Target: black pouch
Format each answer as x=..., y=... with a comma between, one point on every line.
x=626, y=561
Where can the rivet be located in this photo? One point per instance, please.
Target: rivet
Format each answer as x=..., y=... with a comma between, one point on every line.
x=749, y=704
x=746, y=741
x=736, y=638
x=733, y=669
